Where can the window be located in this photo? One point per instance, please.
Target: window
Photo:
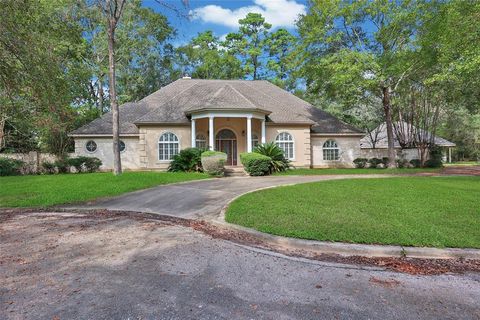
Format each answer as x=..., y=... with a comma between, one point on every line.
x=201, y=141
x=91, y=146
x=167, y=146
x=121, y=145
x=254, y=140
x=285, y=142
x=331, y=152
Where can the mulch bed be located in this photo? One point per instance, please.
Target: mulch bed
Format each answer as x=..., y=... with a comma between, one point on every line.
x=414, y=266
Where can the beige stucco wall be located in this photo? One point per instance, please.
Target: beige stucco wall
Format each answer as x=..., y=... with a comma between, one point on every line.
x=349, y=150
x=301, y=137
x=130, y=157
x=148, y=144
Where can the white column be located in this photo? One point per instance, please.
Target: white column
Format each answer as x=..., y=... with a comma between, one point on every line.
x=194, y=135
x=264, y=139
x=449, y=155
x=211, y=134
x=249, y=134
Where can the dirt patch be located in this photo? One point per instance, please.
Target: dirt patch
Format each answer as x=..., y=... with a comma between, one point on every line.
x=387, y=283
x=412, y=266
x=462, y=170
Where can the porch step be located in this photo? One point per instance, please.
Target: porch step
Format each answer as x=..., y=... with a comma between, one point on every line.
x=235, y=172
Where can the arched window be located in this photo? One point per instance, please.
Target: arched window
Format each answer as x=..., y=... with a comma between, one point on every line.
x=254, y=140
x=91, y=146
x=201, y=141
x=331, y=151
x=285, y=141
x=167, y=146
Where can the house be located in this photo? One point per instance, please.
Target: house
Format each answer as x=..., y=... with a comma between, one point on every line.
x=375, y=144
x=232, y=116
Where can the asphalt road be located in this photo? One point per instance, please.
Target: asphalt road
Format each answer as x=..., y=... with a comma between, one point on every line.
x=67, y=266
x=199, y=199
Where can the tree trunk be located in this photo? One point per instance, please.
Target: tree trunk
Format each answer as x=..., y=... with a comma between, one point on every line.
x=117, y=165
x=388, y=121
x=100, y=94
x=2, y=132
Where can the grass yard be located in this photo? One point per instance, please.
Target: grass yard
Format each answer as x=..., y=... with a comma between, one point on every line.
x=411, y=211
x=48, y=190
x=304, y=172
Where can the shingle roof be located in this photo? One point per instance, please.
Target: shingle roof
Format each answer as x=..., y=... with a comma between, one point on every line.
x=174, y=102
x=402, y=129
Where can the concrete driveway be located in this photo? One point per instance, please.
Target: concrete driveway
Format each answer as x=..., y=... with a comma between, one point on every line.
x=199, y=199
x=72, y=266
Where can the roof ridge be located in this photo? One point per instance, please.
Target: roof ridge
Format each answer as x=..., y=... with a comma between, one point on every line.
x=248, y=100
x=272, y=97
x=156, y=108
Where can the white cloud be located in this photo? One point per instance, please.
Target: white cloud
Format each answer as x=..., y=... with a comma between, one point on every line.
x=280, y=13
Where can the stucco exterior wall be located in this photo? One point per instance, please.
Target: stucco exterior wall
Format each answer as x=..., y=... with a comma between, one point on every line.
x=301, y=137
x=148, y=144
x=407, y=154
x=349, y=150
x=130, y=156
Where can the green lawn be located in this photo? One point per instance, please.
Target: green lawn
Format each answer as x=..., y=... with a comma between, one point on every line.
x=304, y=172
x=48, y=190
x=412, y=211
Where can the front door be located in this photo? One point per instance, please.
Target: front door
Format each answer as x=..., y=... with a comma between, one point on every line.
x=226, y=142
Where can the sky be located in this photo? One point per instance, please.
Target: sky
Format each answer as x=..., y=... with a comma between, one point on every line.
x=221, y=16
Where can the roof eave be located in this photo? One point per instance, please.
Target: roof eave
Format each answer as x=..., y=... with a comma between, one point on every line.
x=190, y=112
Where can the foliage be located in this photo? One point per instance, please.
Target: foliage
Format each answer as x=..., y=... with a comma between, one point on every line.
x=62, y=165
x=341, y=171
x=49, y=190
x=249, y=42
x=213, y=163
x=48, y=167
x=452, y=204
x=375, y=162
x=360, y=162
x=278, y=162
x=84, y=164
x=188, y=160
x=416, y=163
x=256, y=164
x=402, y=163
x=10, y=167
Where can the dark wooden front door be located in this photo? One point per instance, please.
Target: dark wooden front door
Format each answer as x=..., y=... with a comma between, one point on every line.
x=226, y=142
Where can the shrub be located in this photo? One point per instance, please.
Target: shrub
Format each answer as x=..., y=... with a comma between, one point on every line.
x=62, y=165
x=385, y=161
x=278, y=162
x=360, y=162
x=416, y=163
x=374, y=162
x=402, y=163
x=10, y=167
x=76, y=162
x=92, y=164
x=187, y=160
x=433, y=163
x=255, y=164
x=48, y=167
x=213, y=162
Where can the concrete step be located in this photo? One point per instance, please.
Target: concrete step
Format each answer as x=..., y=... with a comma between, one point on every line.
x=235, y=172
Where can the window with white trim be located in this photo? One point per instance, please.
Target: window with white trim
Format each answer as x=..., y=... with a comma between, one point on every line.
x=91, y=146
x=331, y=152
x=168, y=146
x=285, y=142
x=254, y=140
x=201, y=141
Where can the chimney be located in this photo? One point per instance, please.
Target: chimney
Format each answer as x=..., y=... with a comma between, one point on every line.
x=186, y=77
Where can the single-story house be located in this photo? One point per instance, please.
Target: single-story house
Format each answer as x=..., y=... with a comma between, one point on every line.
x=231, y=116
x=375, y=144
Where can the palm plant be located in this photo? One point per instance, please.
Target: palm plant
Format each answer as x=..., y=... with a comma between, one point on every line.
x=279, y=162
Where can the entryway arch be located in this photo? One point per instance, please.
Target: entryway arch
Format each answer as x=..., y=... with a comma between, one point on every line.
x=226, y=141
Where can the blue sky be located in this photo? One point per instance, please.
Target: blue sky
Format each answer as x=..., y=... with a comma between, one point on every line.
x=221, y=16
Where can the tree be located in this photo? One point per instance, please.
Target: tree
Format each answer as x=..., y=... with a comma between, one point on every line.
x=356, y=49
x=204, y=58
x=249, y=42
x=281, y=46
x=112, y=10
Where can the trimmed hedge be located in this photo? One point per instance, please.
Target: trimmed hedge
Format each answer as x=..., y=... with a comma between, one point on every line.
x=255, y=164
x=213, y=162
x=360, y=162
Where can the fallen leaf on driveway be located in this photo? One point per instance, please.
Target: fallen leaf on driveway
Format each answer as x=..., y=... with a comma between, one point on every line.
x=388, y=283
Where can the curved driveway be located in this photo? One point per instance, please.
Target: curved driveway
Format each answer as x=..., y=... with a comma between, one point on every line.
x=199, y=199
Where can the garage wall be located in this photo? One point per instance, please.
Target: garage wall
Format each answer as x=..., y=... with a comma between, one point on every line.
x=349, y=150
x=130, y=157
